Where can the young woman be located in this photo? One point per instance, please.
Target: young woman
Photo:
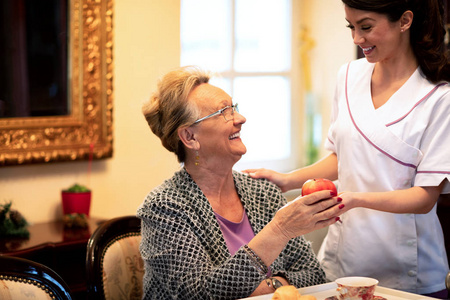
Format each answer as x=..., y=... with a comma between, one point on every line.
x=388, y=139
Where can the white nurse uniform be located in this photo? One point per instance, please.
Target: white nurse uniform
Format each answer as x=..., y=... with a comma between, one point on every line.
x=404, y=143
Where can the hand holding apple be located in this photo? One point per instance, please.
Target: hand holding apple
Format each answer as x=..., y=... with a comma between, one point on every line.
x=318, y=184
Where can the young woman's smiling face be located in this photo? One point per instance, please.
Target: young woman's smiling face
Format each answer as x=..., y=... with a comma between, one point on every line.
x=379, y=38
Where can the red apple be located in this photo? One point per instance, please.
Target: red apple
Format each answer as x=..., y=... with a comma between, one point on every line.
x=318, y=184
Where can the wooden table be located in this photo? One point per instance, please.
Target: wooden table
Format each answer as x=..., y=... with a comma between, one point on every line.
x=60, y=248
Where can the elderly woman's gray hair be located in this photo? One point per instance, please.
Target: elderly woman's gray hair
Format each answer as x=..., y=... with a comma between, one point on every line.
x=169, y=109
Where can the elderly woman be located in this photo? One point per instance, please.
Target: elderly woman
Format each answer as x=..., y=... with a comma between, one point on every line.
x=210, y=232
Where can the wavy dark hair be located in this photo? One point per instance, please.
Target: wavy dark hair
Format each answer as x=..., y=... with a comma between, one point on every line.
x=427, y=31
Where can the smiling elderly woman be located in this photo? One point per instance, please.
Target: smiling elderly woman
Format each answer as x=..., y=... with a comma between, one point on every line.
x=210, y=232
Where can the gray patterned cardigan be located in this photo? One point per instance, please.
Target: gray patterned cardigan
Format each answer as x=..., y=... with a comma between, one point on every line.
x=186, y=256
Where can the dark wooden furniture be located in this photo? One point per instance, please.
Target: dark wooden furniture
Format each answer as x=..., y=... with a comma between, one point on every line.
x=113, y=231
x=443, y=212
x=31, y=275
x=57, y=247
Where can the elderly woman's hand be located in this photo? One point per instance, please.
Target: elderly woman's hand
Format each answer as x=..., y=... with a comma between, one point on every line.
x=308, y=213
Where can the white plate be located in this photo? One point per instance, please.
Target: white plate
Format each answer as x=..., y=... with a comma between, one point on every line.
x=326, y=290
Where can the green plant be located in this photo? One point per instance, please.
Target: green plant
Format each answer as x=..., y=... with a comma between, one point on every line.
x=12, y=223
x=77, y=188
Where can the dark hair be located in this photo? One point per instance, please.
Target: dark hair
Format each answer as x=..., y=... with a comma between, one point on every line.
x=427, y=31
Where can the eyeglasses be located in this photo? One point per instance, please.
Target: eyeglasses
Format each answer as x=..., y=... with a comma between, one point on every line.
x=227, y=113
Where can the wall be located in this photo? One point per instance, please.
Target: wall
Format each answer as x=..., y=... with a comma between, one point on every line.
x=333, y=47
x=146, y=45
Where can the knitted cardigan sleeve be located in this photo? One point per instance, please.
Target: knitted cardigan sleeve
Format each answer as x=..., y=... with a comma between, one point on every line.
x=297, y=262
x=186, y=256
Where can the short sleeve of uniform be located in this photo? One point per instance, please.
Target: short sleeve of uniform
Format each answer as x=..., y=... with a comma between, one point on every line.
x=435, y=146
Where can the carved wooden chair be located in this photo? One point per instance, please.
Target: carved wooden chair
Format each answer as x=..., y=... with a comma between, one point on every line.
x=24, y=279
x=114, y=265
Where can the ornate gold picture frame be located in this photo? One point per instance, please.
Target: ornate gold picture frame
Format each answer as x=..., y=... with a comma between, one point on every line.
x=88, y=131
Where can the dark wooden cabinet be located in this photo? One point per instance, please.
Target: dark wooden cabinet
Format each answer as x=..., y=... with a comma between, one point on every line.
x=59, y=248
x=443, y=212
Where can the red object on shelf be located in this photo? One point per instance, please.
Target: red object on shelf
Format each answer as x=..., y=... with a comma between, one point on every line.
x=76, y=202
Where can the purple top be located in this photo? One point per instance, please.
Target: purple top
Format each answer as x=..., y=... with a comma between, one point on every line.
x=235, y=234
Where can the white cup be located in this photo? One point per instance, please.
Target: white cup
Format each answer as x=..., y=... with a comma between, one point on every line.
x=356, y=288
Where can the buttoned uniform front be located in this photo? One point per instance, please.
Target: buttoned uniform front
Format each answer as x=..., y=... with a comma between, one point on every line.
x=186, y=256
x=401, y=144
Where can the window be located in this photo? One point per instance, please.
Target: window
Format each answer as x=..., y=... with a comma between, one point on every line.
x=249, y=43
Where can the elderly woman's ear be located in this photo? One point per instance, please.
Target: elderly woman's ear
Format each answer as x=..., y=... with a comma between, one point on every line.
x=188, y=138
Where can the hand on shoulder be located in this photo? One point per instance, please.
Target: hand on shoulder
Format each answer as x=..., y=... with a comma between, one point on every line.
x=278, y=178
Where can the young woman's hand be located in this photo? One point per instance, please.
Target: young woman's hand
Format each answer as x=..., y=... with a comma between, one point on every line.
x=280, y=179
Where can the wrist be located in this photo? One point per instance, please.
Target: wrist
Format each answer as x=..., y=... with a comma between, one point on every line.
x=277, y=234
x=274, y=283
x=358, y=200
x=289, y=182
x=257, y=261
x=281, y=276
x=268, y=243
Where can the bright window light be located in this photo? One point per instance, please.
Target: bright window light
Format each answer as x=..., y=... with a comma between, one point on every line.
x=248, y=42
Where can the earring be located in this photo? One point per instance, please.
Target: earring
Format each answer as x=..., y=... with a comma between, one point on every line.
x=197, y=158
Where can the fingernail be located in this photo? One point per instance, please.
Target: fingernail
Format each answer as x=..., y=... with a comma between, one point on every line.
x=341, y=206
x=339, y=199
x=333, y=193
x=338, y=219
